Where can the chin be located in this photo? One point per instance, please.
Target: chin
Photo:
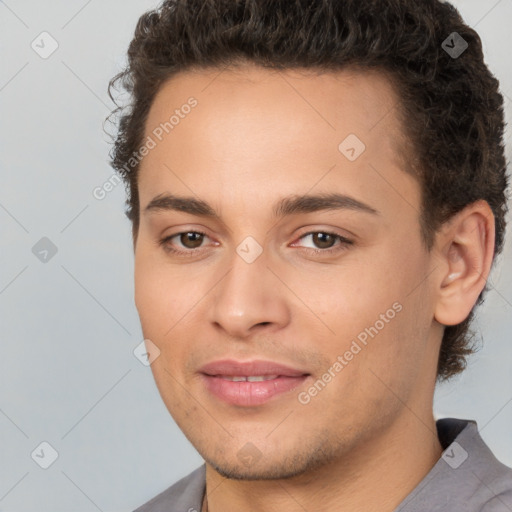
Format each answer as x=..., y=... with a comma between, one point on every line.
x=270, y=472
x=280, y=469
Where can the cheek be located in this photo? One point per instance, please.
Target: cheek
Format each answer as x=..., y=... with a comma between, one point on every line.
x=343, y=300
x=155, y=300
x=159, y=295
x=394, y=323
x=146, y=291
x=166, y=299
x=374, y=301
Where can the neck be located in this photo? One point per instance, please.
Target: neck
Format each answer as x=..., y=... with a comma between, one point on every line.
x=374, y=477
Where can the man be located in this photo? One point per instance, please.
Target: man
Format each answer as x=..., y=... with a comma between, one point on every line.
x=317, y=196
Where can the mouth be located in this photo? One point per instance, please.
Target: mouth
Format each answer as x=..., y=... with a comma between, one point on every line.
x=251, y=383
x=248, y=378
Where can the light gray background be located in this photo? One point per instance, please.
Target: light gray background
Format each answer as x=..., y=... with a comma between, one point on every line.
x=69, y=326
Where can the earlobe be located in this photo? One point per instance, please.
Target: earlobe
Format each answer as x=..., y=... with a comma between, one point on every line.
x=468, y=241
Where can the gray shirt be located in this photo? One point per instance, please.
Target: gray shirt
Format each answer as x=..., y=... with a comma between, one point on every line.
x=467, y=477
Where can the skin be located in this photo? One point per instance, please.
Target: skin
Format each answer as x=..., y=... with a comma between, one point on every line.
x=368, y=437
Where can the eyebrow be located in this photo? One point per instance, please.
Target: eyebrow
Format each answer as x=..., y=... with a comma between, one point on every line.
x=286, y=206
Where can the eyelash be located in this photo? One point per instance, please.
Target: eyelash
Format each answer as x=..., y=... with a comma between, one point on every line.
x=344, y=242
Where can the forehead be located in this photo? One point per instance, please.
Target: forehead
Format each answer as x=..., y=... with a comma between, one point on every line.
x=363, y=98
x=252, y=125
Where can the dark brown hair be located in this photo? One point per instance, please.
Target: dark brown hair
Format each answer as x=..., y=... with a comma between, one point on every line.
x=452, y=104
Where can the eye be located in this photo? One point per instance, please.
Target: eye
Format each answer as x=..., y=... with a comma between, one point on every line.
x=325, y=240
x=190, y=240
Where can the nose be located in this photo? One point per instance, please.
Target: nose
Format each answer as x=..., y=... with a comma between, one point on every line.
x=249, y=298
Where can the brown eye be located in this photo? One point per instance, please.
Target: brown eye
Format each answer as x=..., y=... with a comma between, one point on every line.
x=186, y=243
x=323, y=240
x=191, y=239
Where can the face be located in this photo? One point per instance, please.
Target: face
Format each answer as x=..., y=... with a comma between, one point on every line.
x=292, y=330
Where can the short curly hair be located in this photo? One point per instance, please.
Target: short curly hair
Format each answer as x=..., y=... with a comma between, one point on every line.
x=450, y=103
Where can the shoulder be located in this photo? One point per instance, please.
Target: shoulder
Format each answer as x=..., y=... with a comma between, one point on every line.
x=496, y=488
x=499, y=503
x=184, y=496
x=492, y=479
x=467, y=477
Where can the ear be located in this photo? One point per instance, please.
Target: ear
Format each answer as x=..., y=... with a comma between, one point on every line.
x=465, y=248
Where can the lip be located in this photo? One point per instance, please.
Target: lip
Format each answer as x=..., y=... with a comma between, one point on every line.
x=250, y=368
x=249, y=394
